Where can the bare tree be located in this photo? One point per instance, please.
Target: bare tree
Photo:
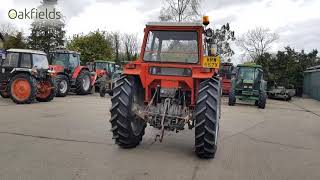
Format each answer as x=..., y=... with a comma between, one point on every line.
x=130, y=45
x=257, y=41
x=8, y=29
x=180, y=10
x=116, y=46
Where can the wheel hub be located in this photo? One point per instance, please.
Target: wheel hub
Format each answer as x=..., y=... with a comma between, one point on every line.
x=86, y=83
x=63, y=86
x=21, y=89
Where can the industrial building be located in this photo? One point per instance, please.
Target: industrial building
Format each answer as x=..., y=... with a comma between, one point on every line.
x=311, y=84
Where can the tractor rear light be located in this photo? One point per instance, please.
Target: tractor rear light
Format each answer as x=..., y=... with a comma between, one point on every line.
x=131, y=66
x=205, y=70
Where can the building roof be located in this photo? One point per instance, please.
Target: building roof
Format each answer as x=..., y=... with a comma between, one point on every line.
x=175, y=24
x=26, y=51
x=313, y=69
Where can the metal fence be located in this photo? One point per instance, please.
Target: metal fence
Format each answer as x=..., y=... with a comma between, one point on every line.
x=311, y=84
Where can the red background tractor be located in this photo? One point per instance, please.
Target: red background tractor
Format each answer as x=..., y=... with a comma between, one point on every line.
x=173, y=83
x=225, y=73
x=69, y=74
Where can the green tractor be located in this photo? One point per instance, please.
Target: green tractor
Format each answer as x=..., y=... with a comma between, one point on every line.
x=248, y=85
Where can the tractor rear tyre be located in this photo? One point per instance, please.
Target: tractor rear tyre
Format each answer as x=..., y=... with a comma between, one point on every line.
x=232, y=98
x=63, y=85
x=127, y=128
x=47, y=90
x=207, y=115
x=83, y=83
x=262, y=100
x=23, y=88
x=4, y=94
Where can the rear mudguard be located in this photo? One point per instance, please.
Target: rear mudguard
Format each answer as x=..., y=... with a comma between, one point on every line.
x=79, y=69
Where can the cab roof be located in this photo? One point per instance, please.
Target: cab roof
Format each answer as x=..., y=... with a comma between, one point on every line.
x=191, y=24
x=64, y=51
x=26, y=51
x=249, y=65
x=102, y=61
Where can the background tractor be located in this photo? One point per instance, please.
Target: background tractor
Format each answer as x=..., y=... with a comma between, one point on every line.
x=107, y=72
x=248, y=85
x=226, y=73
x=69, y=74
x=25, y=76
x=173, y=83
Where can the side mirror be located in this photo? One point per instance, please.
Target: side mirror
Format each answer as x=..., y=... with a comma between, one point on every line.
x=74, y=55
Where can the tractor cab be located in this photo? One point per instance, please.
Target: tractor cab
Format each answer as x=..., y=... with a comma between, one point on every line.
x=248, y=84
x=173, y=83
x=63, y=60
x=107, y=72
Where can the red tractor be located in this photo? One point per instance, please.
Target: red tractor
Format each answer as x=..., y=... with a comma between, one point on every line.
x=69, y=74
x=226, y=72
x=172, y=84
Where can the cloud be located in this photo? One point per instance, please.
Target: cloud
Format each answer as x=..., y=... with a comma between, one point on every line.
x=221, y=4
x=301, y=35
x=71, y=8
x=123, y=17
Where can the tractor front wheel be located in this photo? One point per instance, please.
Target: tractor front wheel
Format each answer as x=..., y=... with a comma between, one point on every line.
x=102, y=91
x=83, y=83
x=46, y=90
x=23, y=88
x=262, y=100
x=63, y=85
x=4, y=94
x=232, y=98
x=207, y=115
x=127, y=128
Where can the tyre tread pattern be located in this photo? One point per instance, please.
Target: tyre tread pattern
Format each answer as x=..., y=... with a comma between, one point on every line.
x=121, y=114
x=207, y=114
x=79, y=87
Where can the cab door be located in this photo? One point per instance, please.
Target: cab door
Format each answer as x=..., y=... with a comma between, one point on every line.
x=74, y=62
x=7, y=65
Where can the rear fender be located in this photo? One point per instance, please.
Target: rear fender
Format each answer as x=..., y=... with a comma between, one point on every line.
x=20, y=70
x=16, y=71
x=138, y=70
x=62, y=73
x=78, y=70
